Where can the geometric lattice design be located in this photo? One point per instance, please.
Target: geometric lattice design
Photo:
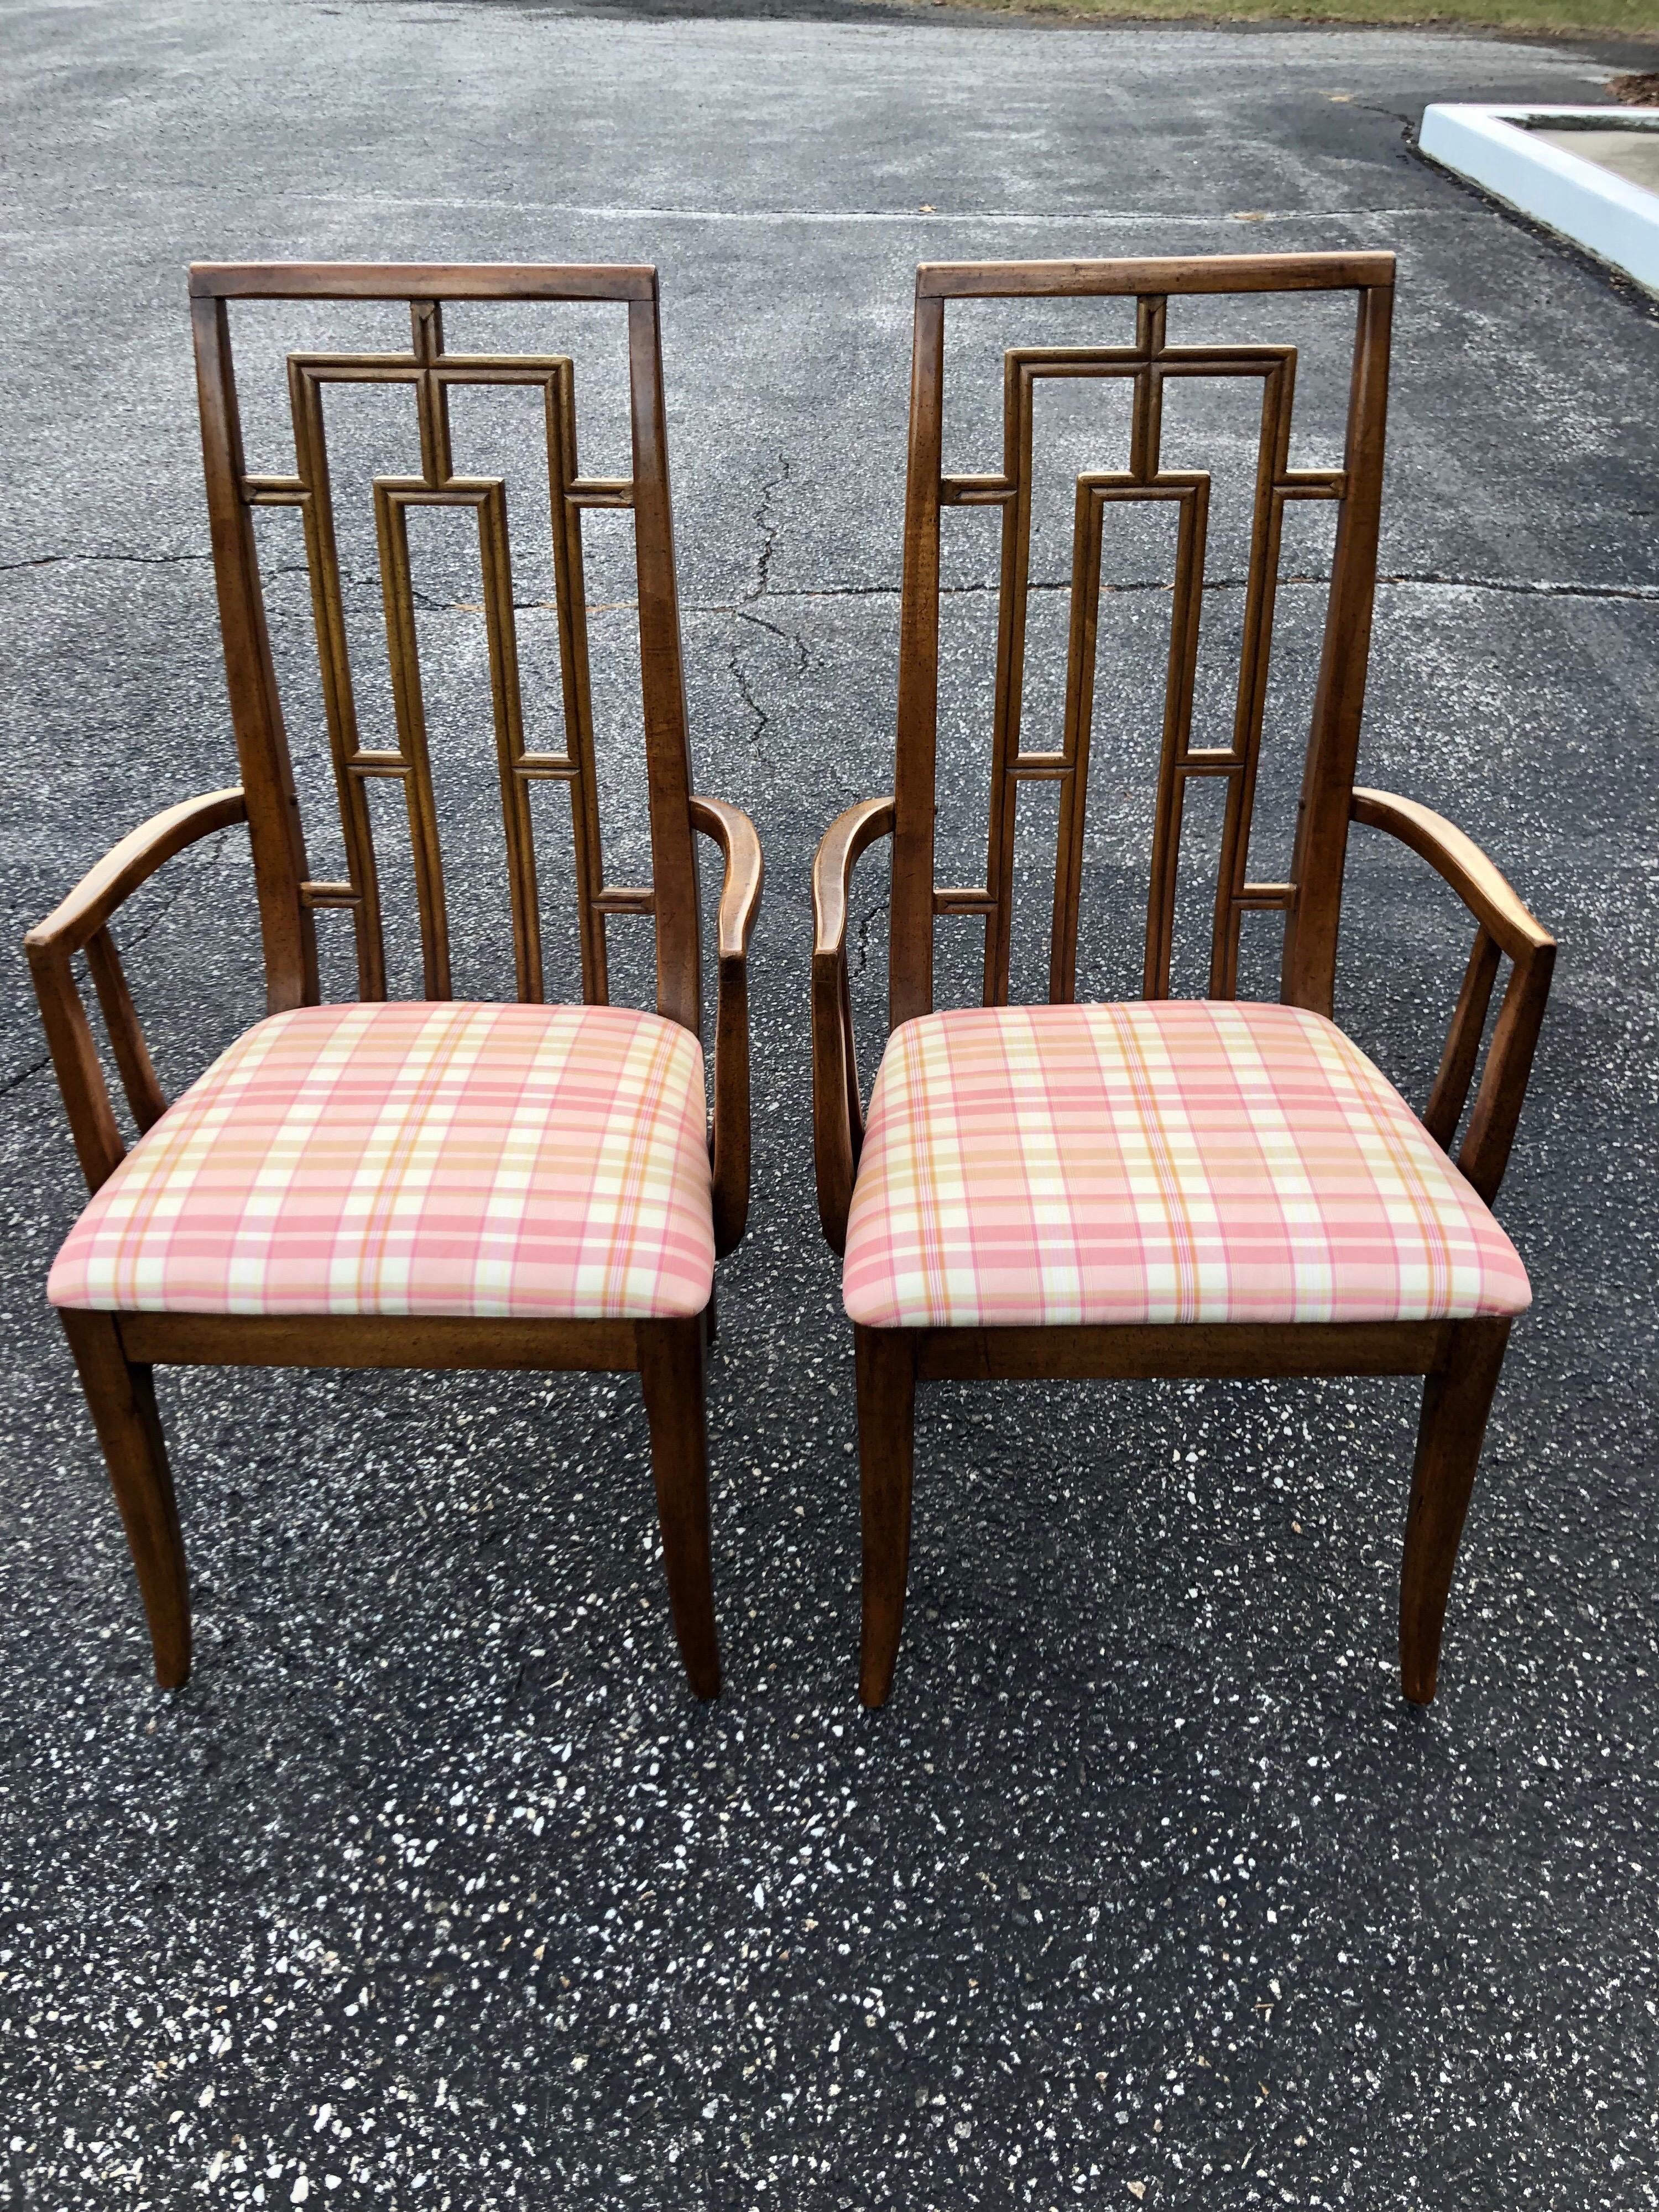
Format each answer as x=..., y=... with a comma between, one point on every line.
x=1147, y=365
x=1149, y=362
x=431, y=374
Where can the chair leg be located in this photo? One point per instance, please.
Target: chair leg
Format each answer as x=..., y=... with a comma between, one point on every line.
x=886, y=1363
x=122, y=1399
x=1455, y=1404
x=670, y=1371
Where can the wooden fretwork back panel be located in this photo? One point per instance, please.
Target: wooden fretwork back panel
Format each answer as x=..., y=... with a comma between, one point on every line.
x=1309, y=900
x=289, y=895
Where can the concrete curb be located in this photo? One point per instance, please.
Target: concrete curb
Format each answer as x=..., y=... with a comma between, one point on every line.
x=1495, y=147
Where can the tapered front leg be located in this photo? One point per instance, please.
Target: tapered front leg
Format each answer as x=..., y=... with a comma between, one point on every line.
x=1455, y=1404
x=122, y=1401
x=886, y=1362
x=671, y=1371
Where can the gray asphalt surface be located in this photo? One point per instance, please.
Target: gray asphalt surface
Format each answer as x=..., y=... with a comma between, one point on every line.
x=434, y=1888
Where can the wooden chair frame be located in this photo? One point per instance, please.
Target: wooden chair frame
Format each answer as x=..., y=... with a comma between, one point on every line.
x=116, y=1352
x=1460, y=1359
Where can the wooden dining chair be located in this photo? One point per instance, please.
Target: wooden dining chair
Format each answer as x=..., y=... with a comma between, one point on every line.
x=433, y=1183
x=1159, y=1187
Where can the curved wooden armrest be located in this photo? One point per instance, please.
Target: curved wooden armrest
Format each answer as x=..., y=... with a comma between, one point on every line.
x=1463, y=865
x=740, y=898
x=80, y=923
x=110, y=882
x=837, y=1104
x=1505, y=926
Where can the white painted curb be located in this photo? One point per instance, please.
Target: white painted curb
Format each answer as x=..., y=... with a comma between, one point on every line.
x=1616, y=221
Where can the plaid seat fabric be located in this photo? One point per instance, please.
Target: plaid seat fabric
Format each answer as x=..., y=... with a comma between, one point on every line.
x=541, y=1162
x=1170, y=1161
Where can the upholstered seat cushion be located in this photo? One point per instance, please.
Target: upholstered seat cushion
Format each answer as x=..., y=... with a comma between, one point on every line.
x=454, y=1159
x=1174, y=1161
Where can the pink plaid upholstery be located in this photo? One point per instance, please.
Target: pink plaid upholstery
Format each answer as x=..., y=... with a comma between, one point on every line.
x=1171, y=1161
x=531, y=1161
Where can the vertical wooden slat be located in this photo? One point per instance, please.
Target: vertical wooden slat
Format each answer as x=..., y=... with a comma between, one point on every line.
x=668, y=756
x=1146, y=416
x=426, y=322
x=1462, y=1047
x=570, y=597
x=398, y=592
x=1013, y=581
x=1260, y=596
x=1180, y=688
x=98, y=1145
x=495, y=563
x=334, y=659
x=1484, y=1151
x=1088, y=530
x=273, y=807
x=1309, y=974
x=910, y=965
x=126, y=1037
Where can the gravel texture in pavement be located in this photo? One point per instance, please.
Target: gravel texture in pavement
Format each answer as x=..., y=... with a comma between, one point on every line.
x=434, y=1888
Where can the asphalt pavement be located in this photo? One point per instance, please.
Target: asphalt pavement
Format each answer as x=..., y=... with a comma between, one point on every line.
x=435, y=1888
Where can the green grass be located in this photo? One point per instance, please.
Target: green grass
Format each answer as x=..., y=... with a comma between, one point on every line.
x=1627, y=19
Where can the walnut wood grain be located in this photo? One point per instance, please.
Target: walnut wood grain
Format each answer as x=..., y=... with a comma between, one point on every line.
x=1209, y=273
x=109, y=882
x=671, y=1377
x=1175, y=1348
x=837, y=1104
x=418, y=280
x=740, y=909
x=1462, y=863
x=886, y=1369
x=429, y=1341
x=138, y=1078
x=79, y=921
x=121, y=1397
x=1456, y=1402
x=116, y=1354
x=1458, y=1358
x=1509, y=926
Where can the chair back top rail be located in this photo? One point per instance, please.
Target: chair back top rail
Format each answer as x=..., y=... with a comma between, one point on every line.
x=288, y=896
x=1172, y=274
x=419, y=280
x=1309, y=900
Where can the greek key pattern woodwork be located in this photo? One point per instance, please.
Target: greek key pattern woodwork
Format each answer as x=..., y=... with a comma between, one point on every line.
x=430, y=375
x=1149, y=364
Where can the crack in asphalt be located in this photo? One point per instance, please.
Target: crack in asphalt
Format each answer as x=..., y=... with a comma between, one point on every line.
x=767, y=525
x=865, y=921
x=761, y=715
x=1525, y=586
x=764, y=589
x=767, y=528
x=22, y=1075
x=788, y=637
x=140, y=560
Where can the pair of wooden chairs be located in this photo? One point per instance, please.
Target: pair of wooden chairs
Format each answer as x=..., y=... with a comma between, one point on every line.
x=1198, y=1187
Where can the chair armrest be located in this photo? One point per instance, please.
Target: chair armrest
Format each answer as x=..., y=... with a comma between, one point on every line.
x=740, y=899
x=80, y=923
x=1505, y=926
x=837, y=1104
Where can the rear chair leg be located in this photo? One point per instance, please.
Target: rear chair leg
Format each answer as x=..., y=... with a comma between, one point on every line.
x=670, y=1371
x=1455, y=1404
x=886, y=1363
x=122, y=1399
